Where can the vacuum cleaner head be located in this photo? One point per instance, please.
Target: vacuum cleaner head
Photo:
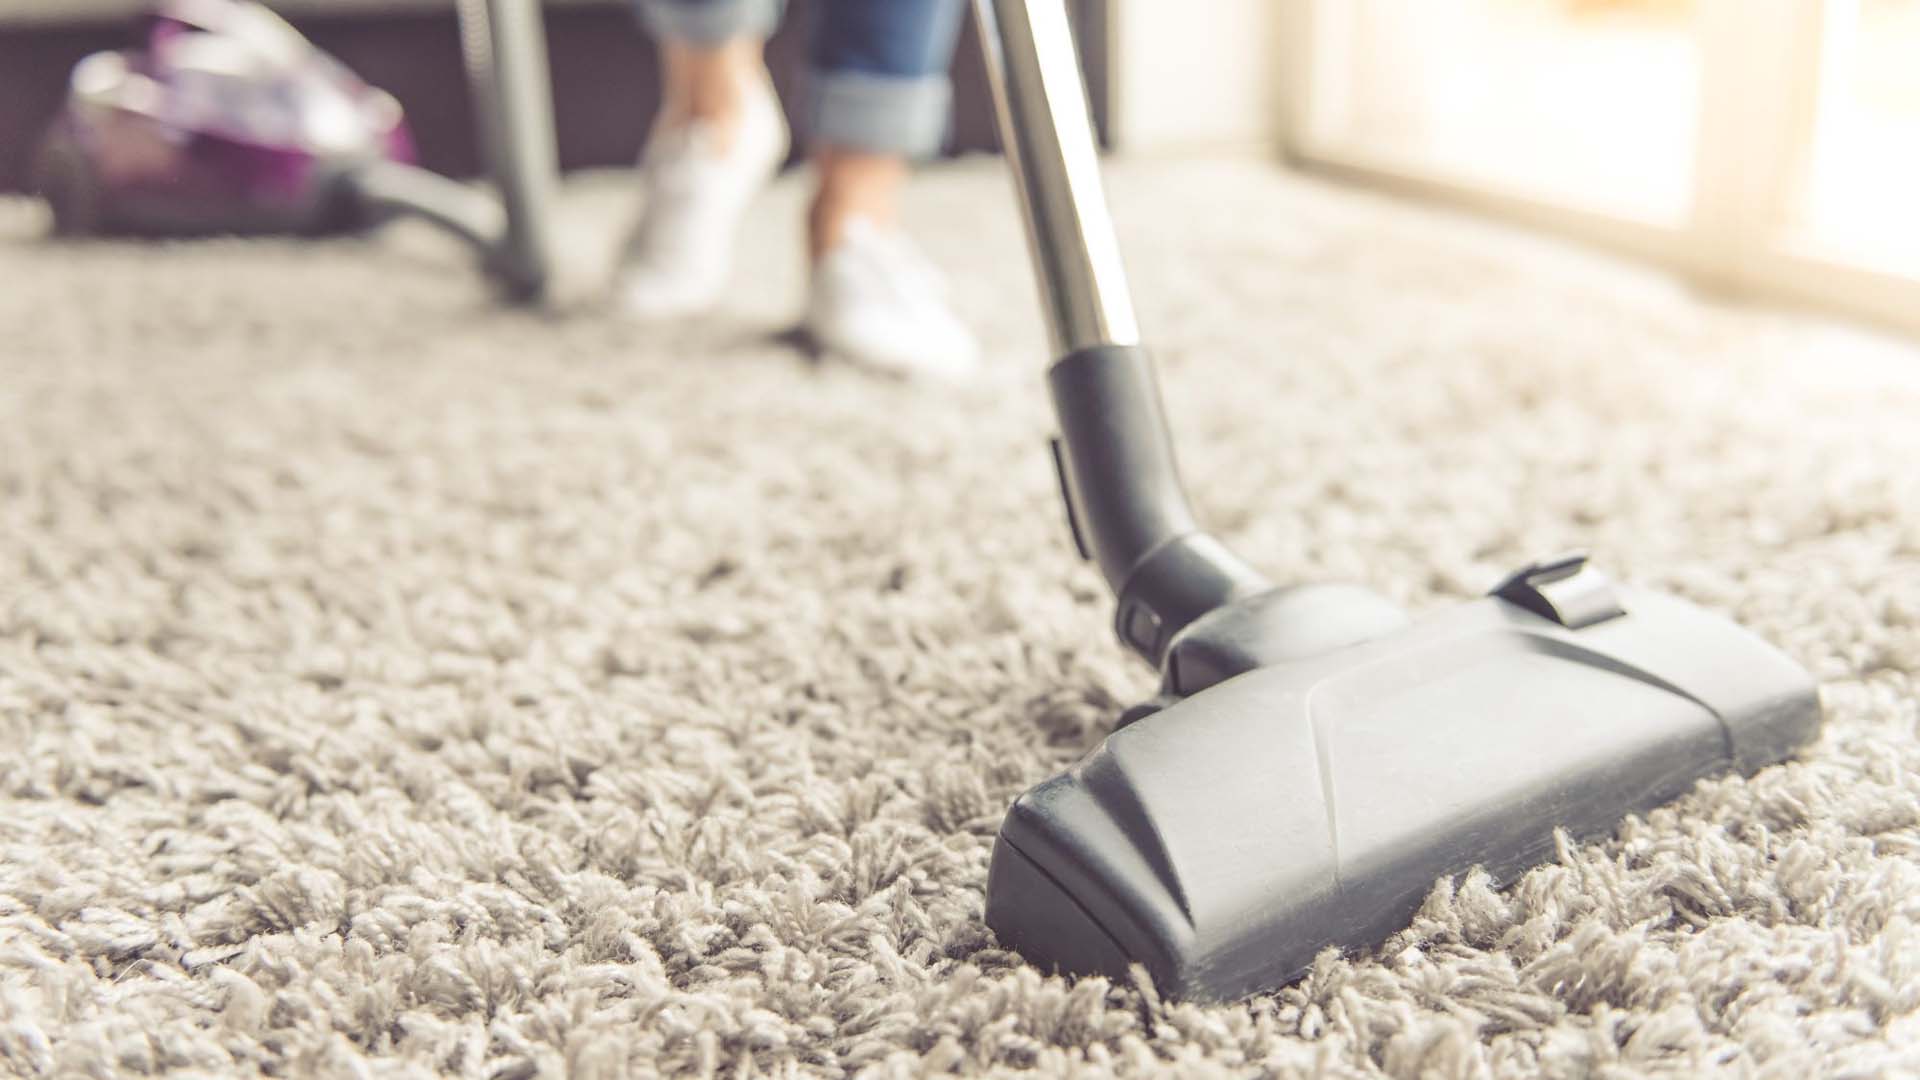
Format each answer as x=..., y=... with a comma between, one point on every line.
x=1228, y=838
x=224, y=119
x=1314, y=761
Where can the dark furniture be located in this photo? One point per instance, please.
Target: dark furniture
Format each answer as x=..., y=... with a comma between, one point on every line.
x=605, y=80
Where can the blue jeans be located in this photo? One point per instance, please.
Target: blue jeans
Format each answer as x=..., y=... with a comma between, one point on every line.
x=879, y=78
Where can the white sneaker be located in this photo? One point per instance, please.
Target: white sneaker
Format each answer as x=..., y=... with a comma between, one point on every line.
x=682, y=249
x=878, y=301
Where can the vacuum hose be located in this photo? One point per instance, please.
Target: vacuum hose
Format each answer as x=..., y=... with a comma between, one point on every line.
x=504, y=46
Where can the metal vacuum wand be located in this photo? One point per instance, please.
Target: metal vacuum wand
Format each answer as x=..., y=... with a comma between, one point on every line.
x=504, y=48
x=1125, y=503
x=504, y=43
x=1047, y=135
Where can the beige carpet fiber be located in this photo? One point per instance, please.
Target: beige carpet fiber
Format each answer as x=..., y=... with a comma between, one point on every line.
x=391, y=685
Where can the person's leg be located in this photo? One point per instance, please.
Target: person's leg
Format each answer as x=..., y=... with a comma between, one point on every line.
x=710, y=56
x=718, y=138
x=852, y=184
x=879, y=99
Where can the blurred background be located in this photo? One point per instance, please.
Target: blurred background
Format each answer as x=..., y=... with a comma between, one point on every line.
x=1768, y=145
x=1769, y=148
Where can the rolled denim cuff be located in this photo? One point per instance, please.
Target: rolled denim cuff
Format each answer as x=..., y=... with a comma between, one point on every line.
x=891, y=114
x=709, y=22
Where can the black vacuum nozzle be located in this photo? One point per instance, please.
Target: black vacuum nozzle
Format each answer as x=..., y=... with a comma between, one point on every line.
x=1226, y=839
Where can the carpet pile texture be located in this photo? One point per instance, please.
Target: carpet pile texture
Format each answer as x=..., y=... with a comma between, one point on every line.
x=396, y=685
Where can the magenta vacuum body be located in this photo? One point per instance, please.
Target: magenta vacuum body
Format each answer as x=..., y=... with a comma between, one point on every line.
x=222, y=118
